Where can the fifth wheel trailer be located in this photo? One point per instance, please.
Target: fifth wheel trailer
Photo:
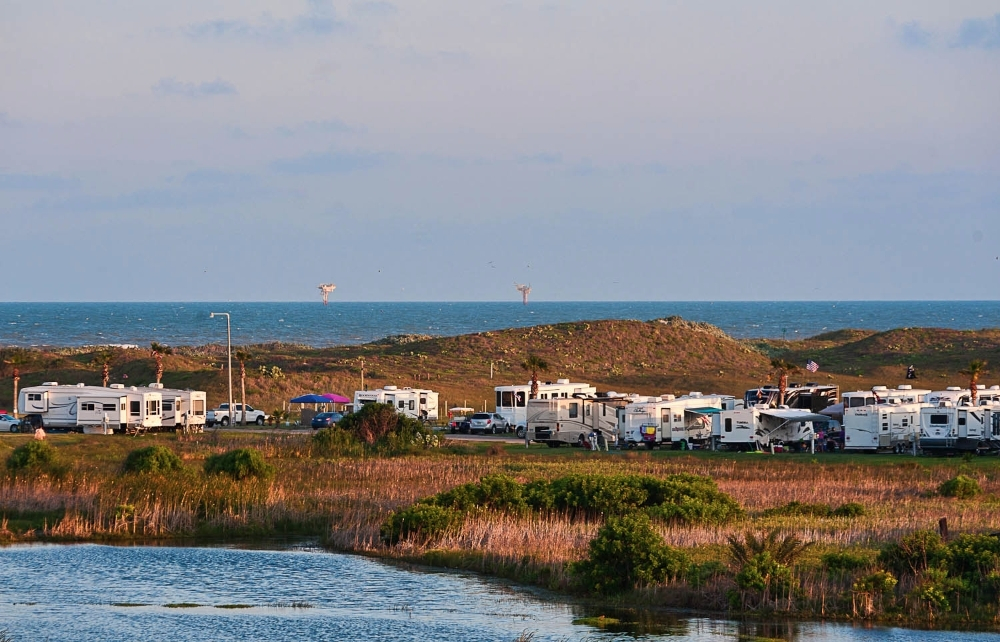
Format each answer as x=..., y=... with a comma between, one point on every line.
x=90, y=408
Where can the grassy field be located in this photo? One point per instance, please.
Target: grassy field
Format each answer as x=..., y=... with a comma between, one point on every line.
x=85, y=496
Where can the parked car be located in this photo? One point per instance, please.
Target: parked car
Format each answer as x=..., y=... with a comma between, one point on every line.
x=488, y=422
x=10, y=424
x=326, y=420
x=458, y=424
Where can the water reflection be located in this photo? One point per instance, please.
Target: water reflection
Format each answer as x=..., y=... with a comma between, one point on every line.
x=93, y=592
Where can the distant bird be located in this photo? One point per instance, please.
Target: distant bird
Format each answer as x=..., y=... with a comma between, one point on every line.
x=491, y=264
x=326, y=289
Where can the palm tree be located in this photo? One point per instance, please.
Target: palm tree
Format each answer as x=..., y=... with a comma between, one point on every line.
x=158, y=350
x=782, y=368
x=103, y=358
x=243, y=355
x=534, y=364
x=16, y=358
x=976, y=367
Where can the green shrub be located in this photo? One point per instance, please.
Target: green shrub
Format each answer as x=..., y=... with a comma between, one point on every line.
x=872, y=592
x=336, y=442
x=420, y=521
x=850, y=509
x=152, y=459
x=845, y=561
x=240, y=464
x=37, y=455
x=914, y=553
x=698, y=575
x=627, y=553
x=764, y=577
x=961, y=487
x=976, y=560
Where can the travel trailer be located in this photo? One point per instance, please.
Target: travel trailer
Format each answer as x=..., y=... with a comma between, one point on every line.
x=883, y=394
x=883, y=427
x=177, y=404
x=570, y=420
x=809, y=396
x=512, y=401
x=415, y=403
x=761, y=426
x=91, y=409
x=950, y=424
x=680, y=422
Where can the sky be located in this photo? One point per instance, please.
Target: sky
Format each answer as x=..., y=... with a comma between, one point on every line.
x=224, y=150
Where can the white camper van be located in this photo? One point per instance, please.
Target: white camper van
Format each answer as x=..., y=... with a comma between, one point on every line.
x=761, y=426
x=570, y=420
x=415, y=403
x=886, y=426
x=512, y=401
x=91, y=409
x=180, y=406
x=681, y=422
x=950, y=424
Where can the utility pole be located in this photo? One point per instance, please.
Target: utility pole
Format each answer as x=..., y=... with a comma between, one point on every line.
x=363, y=374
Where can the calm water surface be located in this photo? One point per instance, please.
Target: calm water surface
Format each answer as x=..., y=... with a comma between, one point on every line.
x=92, y=592
x=345, y=323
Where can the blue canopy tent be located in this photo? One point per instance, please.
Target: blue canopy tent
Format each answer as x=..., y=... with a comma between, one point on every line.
x=310, y=398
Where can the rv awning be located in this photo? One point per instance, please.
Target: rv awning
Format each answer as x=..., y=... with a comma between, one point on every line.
x=834, y=410
x=704, y=411
x=793, y=414
x=335, y=398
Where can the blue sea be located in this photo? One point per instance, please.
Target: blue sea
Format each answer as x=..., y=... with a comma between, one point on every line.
x=345, y=323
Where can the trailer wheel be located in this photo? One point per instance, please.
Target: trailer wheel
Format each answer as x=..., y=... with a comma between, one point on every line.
x=553, y=444
x=650, y=445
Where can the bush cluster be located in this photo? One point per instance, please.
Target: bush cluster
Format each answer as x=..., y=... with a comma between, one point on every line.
x=36, y=455
x=239, y=464
x=418, y=522
x=795, y=509
x=961, y=487
x=152, y=459
x=376, y=428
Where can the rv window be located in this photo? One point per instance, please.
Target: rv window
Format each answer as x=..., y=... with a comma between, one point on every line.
x=961, y=421
x=574, y=410
x=519, y=398
x=544, y=395
x=109, y=407
x=411, y=404
x=168, y=405
x=729, y=424
x=87, y=406
x=906, y=422
x=678, y=418
x=940, y=420
x=34, y=396
x=423, y=402
x=152, y=407
x=564, y=395
x=402, y=404
x=134, y=407
x=586, y=410
x=198, y=405
x=123, y=406
x=885, y=427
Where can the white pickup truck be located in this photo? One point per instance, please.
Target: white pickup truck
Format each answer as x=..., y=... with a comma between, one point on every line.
x=221, y=416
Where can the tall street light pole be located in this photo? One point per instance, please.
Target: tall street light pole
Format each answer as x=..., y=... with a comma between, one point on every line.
x=229, y=346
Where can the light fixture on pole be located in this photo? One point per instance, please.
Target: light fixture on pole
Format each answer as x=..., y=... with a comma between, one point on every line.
x=229, y=346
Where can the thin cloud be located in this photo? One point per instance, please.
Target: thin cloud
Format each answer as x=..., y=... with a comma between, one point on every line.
x=543, y=158
x=979, y=33
x=174, y=87
x=380, y=9
x=329, y=163
x=35, y=182
x=318, y=20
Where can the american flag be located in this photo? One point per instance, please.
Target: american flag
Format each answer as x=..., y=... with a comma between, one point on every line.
x=812, y=366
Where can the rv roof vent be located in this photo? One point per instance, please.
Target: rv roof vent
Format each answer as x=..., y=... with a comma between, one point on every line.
x=694, y=394
x=611, y=394
x=133, y=388
x=562, y=382
x=389, y=388
x=783, y=406
x=155, y=385
x=81, y=385
x=904, y=386
x=117, y=386
x=994, y=387
x=880, y=388
x=980, y=386
x=667, y=397
x=51, y=383
x=953, y=388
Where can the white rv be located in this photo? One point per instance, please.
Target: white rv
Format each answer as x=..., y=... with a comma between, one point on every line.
x=883, y=394
x=886, y=426
x=415, y=403
x=177, y=404
x=511, y=401
x=950, y=424
x=761, y=426
x=680, y=422
x=570, y=420
x=92, y=409
x=807, y=396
